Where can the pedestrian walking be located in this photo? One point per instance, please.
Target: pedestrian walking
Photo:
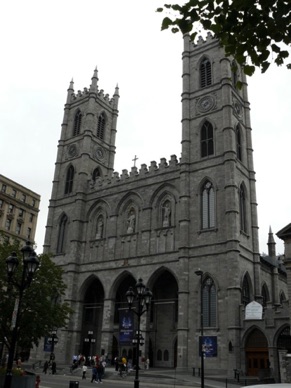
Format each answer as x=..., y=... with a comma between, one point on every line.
x=54, y=368
x=84, y=370
x=99, y=372
x=94, y=374
x=147, y=363
x=45, y=367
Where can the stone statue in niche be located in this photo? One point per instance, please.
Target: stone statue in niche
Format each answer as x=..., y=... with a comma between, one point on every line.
x=100, y=225
x=131, y=222
x=166, y=214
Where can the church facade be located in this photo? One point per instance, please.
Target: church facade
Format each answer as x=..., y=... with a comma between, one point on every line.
x=165, y=223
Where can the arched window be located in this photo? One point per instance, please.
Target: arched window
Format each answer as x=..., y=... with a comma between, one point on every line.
x=205, y=73
x=62, y=234
x=77, y=123
x=209, y=302
x=282, y=297
x=246, y=295
x=69, y=180
x=208, y=206
x=101, y=126
x=238, y=142
x=206, y=139
x=166, y=355
x=96, y=174
x=159, y=355
x=242, y=209
x=265, y=295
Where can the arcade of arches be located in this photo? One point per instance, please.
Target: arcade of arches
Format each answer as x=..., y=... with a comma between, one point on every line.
x=156, y=325
x=257, y=351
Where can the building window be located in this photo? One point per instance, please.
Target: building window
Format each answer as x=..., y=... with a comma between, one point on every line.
x=101, y=126
x=207, y=140
x=18, y=228
x=265, y=295
x=208, y=206
x=13, y=193
x=166, y=355
x=62, y=234
x=242, y=208
x=23, y=198
x=31, y=216
x=159, y=355
x=69, y=180
x=209, y=302
x=21, y=213
x=246, y=295
x=1, y=203
x=282, y=297
x=4, y=188
x=8, y=224
x=10, y=208
x=77, y=123
x=238, y=142
x=205, y=73
x=33, y=202
x=96, y=174
x=28, y=233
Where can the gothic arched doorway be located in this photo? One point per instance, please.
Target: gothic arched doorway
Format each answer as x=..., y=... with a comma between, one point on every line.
x=164, y=319
x=92, y=319
x=257, y=355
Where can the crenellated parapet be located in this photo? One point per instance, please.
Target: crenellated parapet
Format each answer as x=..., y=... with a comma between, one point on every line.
x=145, y=171
x=85, y=94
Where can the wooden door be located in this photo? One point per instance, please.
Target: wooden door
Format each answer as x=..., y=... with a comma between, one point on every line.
x=257, y=360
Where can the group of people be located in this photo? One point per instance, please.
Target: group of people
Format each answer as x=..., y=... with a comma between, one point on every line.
x=50, y=365
x=98, y=367
x=123, y=367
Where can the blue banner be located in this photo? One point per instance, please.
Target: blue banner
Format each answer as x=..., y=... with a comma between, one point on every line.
x=209, y=344
x=126, y=327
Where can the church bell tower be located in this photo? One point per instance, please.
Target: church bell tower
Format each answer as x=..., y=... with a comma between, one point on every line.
x=86, y=151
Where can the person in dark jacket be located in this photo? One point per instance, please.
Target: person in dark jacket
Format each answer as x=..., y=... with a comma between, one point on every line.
x=100, y=370
x=94, y=374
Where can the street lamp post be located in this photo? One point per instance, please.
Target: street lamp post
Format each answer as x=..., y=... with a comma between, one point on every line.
x=30, y=264
x=143, y=297
x=53, y=340
x=200, y=273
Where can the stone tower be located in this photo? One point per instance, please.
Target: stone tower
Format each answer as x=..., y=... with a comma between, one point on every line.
x=86, y=153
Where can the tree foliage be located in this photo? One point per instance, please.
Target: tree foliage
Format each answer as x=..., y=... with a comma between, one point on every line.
x=41, y=309
x=255, y=32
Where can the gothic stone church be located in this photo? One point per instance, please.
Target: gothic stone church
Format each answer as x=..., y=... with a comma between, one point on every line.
x=164, y=221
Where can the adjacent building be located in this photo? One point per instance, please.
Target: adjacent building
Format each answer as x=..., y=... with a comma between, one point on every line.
x=19, y=207
x=165, y=223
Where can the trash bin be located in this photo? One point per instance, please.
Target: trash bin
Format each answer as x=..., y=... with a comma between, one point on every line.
x=74, y=384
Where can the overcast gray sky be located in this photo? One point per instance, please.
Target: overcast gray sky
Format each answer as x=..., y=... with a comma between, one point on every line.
x=44, y=44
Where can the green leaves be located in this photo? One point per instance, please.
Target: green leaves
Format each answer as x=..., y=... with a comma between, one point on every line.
x=42, y=307
x=252, y=31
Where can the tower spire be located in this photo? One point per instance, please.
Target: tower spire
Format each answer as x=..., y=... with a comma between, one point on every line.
x=94, y=79
x=70, y=91
x=271, y=244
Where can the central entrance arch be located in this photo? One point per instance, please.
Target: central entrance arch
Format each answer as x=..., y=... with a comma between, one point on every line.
x=257, y=354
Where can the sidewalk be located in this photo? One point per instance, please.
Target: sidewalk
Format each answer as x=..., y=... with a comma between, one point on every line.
x=169, y=377
x=157, y=376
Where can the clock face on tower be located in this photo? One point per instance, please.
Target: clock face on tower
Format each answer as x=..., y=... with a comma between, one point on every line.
x=206, y=103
